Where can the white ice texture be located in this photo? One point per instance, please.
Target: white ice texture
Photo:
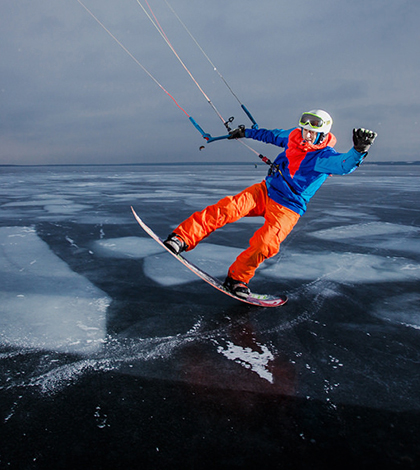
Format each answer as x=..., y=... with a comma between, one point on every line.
x=347, y=267
x=43, y=303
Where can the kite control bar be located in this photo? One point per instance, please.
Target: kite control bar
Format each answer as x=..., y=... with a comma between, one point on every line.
x=210, y=138
x=205, y=135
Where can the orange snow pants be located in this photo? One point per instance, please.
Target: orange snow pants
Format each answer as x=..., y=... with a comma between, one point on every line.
x=251, y=202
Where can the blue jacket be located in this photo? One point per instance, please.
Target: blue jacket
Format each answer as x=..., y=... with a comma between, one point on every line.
x=294, y=189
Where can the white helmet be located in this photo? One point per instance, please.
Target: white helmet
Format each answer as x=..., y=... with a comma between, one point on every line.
x=316, y=120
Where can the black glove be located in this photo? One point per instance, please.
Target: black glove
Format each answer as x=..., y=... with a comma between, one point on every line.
x=237, y=133
x=363, y=139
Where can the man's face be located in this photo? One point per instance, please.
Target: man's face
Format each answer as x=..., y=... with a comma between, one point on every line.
x=309, y=136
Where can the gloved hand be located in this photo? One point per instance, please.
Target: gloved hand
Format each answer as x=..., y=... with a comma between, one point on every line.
x=237, y=133
x=363, y=139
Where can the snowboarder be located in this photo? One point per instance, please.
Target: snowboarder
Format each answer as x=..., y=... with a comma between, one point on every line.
x=294, y=177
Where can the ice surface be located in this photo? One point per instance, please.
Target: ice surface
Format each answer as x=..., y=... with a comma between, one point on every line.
x=214, y=259
x=126, y=247
x=256, y=360
x=43, y=303
x=379, y=235
x=400, y=309
x=343, y=267
x=78, y=275
x=164, y=269
x=365, y=231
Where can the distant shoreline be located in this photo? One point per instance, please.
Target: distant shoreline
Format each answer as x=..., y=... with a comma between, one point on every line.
x=175, y=164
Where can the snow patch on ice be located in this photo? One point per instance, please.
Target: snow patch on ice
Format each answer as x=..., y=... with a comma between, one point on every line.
x=126, y=247
x=407, y=244
x=380, y=235
x=57, y=205
x=257, y=361
x=363, y=230
x=343, y=267
x=43, y=303
x=346, y=213
x=65, y=209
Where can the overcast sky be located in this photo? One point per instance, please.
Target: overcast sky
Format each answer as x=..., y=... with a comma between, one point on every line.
x=70, y=94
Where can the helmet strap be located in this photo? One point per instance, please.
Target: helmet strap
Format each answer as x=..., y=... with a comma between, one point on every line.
x=319, y=138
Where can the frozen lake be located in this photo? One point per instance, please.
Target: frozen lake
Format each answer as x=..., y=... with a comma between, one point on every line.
x=113, y=355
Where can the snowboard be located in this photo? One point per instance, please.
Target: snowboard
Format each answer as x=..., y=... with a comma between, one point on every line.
x=261, y=300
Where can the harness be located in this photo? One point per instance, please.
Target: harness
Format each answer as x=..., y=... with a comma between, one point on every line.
x=276, y=169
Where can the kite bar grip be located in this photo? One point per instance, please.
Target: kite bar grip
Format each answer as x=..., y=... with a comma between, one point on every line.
x=195, y=124
x=255, y=125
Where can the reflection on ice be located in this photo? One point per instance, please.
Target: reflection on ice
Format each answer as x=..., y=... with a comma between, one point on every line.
x=43, y=303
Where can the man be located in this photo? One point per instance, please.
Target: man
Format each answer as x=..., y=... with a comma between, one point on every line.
x=294, y=177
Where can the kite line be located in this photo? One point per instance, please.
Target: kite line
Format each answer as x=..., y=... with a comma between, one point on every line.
x=157, y=25
x=159, y=28
x=254, y=124
x=135, y=60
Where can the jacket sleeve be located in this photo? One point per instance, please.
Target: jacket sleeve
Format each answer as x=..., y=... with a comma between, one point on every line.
x=278, y=137
x=336, y=163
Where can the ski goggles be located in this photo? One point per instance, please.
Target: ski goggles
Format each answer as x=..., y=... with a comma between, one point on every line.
x=314, y=121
